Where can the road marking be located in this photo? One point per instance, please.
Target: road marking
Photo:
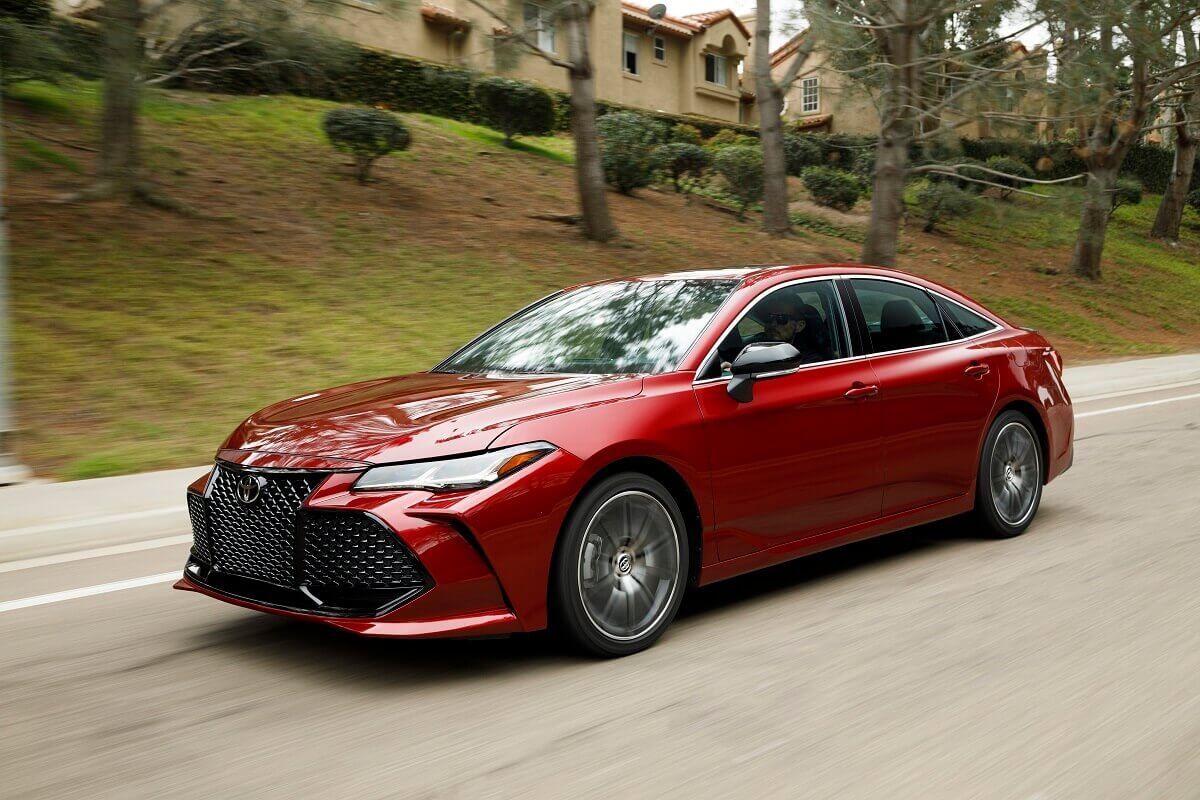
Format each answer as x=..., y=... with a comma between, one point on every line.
x=88, y=523
x=88, y=591
x=1125, y=393
x=97, y=552
x=1136, y=405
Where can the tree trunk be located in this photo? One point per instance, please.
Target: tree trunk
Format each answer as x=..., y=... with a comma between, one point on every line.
x=1093, y=222
x=770, y=106
x=119, y=163
x=887, y=201
x=1170, y=210
x=589, y=174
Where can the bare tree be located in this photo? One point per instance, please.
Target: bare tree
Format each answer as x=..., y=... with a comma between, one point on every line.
x=575, y=16
x=923, y=58
x=145, y=46
x=1119, y=60
x=770, y=93
x=1184, y=108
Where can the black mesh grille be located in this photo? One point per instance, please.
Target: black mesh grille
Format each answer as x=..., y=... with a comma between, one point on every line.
x=200, y=549
x=349, y=551
x=258, y=539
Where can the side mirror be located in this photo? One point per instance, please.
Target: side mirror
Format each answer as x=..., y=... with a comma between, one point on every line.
x=758, y=361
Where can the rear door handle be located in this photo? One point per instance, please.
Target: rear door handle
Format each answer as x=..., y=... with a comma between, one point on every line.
x=858, y=391
x=977, y=370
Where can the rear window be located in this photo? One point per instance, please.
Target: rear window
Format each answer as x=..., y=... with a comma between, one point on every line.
x=966, y=321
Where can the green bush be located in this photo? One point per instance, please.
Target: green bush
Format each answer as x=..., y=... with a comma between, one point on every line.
x=1193, y=200
x=367, y=133
x=628, y=140
x=964, y=176
x=742, y=168
x=1009, y=166
x=683, y=132
x=26, y=12
x=941, y=200
x=515, y=108
x=1128, y=192
x=833, y=188
x=801, y=151
x=683, y=162
x=727, y=137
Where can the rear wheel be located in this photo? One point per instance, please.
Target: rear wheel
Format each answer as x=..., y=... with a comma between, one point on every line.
x=1011, y=474
x=621, y=566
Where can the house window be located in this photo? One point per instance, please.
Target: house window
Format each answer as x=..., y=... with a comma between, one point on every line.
x=660, y=48
x=539, y=25
x=715, y=69
x=810, y=96
x=631, y=53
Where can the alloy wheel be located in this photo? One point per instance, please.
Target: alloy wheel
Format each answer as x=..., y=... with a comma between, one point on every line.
x=629, y=565
x=1015, y=473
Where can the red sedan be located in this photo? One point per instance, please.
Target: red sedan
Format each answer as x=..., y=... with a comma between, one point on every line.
x=587, y=460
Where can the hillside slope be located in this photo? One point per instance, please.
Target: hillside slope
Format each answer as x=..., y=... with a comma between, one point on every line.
x=142, y=335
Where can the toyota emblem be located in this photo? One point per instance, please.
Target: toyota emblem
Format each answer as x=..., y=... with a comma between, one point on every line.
x=249, y=488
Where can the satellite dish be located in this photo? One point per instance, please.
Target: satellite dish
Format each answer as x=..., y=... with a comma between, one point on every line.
x=657, y=11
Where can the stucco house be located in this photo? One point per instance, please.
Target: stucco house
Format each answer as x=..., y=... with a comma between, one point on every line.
x=679, y=65
x=825, y=99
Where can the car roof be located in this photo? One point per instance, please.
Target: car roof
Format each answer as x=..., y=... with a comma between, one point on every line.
x=753, y=273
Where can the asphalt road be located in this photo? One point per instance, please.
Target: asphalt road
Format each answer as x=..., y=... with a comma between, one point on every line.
x=927, y=664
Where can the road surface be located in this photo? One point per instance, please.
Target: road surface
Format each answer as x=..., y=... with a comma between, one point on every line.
x=927, y=664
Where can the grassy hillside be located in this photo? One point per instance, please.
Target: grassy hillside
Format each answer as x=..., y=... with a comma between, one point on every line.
x=142, y=336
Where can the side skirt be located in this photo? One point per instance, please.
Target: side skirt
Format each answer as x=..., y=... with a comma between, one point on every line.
x=825, y=541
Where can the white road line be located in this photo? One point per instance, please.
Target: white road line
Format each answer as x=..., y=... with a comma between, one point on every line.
x=88, y=591
x=97, y=552
x=88, y=523
x=1144, y=390
x=1148, y=403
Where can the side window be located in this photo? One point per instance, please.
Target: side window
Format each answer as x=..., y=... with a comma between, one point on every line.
x=806, y=315
x=898, y=315
x=966, y=321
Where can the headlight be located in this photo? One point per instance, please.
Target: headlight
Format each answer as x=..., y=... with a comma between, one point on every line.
x=452, y=474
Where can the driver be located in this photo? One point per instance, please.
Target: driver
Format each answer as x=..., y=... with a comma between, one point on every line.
x=787, y=318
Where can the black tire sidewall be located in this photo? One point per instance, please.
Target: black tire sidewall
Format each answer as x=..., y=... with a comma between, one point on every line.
x=985, y=508
x=568, y=614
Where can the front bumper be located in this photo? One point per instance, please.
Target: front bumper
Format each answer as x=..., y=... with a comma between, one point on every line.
x=443, y=587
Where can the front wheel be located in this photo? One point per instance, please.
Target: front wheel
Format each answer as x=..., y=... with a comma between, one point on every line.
x=1011, y=474
x=621, y=566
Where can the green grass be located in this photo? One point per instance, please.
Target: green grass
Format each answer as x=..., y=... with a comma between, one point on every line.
x=140, y=342
x=558, y=148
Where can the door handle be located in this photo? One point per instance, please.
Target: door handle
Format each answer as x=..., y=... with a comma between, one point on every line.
x=858, y=391
x=977, y=370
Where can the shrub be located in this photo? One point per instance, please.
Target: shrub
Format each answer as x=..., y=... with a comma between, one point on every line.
x=727, y=137
x=26, y=12
x=683, y=132
x=367, y=133
x=832, y=188
x=1009, y=166
x=742, y=168
x=681, y=161
x=1193, y=200
x=628, y=141
x=941, y=200
x=800, y=152
x=1128, y=192
x=515, y=108
x=964, y=177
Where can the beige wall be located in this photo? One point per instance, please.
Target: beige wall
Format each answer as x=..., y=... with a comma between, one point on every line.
x=676, y=85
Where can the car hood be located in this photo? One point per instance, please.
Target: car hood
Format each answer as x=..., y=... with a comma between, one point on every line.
x=424, y=415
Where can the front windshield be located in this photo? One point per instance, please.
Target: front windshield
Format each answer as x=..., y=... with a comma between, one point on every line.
x=620, y=327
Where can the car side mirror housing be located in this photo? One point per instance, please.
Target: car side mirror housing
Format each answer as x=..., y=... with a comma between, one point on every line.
x=757, y=361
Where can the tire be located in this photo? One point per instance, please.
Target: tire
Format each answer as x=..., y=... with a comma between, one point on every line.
x=1008, y=488
x=621, y=566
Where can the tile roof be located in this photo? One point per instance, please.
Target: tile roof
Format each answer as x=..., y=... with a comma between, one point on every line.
x=687, y=26
x=788, y=48
x=435, y=13
x=706, y=19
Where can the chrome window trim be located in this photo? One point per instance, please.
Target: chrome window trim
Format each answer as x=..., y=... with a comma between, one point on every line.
x=845, y=324
x=810, y=279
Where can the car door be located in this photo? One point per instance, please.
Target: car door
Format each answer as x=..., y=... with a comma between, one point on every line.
x=937, y=389
x=801, y=457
